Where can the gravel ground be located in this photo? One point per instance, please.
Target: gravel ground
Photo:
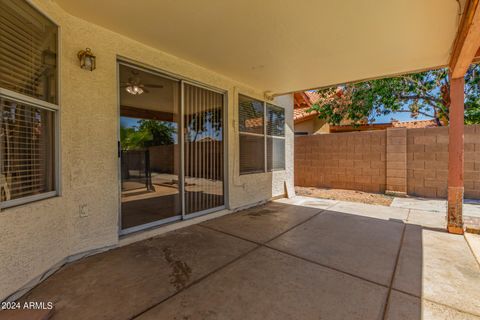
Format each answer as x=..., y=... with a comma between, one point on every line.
x=345, y=195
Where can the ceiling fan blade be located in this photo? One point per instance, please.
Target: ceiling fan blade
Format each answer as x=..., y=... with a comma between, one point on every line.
x=153, y=86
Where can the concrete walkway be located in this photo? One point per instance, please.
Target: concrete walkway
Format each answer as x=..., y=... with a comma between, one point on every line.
x=300, y=258
x=471, y=208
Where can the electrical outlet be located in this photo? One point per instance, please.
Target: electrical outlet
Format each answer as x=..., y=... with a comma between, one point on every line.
x=83, y=212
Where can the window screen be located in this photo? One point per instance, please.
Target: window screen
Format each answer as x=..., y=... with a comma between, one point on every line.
x=251, y=116
x=28, y=51
x=26, y=150
x=275, y=138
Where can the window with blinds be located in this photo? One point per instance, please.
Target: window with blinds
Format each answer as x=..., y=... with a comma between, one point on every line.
x=275, y=137
x=28, y=98
x=261, y=136
x=251, y=115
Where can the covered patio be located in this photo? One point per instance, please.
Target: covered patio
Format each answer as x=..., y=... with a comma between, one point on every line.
x=300, y=258
x=295, y=258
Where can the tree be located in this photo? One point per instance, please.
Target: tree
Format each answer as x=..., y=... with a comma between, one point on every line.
x=162, y=132
x=425, y=93
x=148, y=133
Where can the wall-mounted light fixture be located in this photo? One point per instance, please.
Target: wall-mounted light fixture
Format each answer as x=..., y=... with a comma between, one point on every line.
x=87, y=59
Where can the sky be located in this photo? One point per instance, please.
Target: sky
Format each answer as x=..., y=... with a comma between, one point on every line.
x=400, y=116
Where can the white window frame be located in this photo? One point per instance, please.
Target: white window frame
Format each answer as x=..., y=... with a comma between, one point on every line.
x=55, y=108
x=265, y=135
x=273, y=137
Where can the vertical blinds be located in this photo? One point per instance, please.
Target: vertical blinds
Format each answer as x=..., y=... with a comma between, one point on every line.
x=26, y=150
x=203, y=112
x=28, y=50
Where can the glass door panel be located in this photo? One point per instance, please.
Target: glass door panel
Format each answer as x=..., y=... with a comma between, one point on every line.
x=203, y=149
x=150, y=153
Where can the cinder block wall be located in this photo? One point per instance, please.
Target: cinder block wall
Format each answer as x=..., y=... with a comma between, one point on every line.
x=427, y=162
x=414, y=161
x=353, y=161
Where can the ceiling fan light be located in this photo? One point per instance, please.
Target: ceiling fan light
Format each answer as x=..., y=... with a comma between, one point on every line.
x=133, y=89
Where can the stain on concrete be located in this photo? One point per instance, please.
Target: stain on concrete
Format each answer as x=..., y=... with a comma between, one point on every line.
x=181, y=271
x=260, y=212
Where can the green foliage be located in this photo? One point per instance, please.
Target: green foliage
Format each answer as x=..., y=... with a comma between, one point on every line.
x=148, y=133
x=424, y=93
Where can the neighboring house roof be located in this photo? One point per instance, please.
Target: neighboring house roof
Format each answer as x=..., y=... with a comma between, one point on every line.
x=254, y=123
x=383, y=126
x=302, y=102
x=415, y=124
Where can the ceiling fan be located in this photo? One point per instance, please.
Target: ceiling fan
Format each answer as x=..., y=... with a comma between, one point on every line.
x=135, y=86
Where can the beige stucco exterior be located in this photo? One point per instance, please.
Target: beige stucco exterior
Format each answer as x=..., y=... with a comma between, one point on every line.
x=313, y=126
x=37, y=236
x=290, y=45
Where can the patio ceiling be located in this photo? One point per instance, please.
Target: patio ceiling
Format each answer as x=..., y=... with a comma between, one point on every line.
x=292, y=45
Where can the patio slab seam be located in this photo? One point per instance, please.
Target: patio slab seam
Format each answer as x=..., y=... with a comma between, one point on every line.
x=447, y=306
x=397, y=259
x=271, y=239
x=325, y=266
x=259, y=245
x=194, y=282
x=471, y=250
x=265, y=244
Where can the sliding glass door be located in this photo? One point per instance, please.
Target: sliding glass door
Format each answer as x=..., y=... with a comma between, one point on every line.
x=150, y=153
x=171, y=149
x=203, y=145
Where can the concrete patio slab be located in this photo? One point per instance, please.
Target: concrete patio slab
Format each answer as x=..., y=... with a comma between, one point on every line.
x=409, y=271
x=424, y=204
x=471, y=207
x=122, y=282
x=402, y=307
x=330, y=265
x=260, y=224
x=429, y=219
x=309, y=202
x=267, y=284
x=439, y=267
x=473, y=241
x=358, y=245
x=372, y=211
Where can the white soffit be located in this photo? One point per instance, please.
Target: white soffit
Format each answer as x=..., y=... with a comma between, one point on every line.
x=285, y=46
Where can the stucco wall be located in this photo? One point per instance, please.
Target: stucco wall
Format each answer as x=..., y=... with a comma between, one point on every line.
x=313, y=126
x=305, y=126
x=36, y=236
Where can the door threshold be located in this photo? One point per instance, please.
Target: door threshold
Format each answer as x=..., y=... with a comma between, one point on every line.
x=154, y=231
x=148, y=226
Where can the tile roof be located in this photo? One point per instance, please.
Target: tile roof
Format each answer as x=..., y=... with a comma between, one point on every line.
x=302, y=102
x=414, y=124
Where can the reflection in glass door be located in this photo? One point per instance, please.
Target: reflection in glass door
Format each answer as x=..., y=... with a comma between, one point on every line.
x=150, y=153
x=204, y=161
x=165, y=175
